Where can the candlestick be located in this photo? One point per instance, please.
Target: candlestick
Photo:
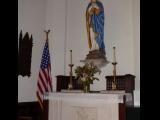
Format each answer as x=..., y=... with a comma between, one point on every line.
x=71, y=56
x=70, y=85
x=114, y=55
x=114, y=84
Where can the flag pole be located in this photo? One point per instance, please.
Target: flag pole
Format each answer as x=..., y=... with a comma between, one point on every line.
x=47, y=33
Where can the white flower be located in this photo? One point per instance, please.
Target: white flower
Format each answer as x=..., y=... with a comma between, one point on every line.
x=83, y=79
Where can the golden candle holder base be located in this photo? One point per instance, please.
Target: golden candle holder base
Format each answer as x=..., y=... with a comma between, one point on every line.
x=114, y=86
x=70, y=85
x=114, y=63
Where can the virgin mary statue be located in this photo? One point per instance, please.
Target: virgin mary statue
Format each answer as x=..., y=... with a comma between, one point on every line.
x=95, y=32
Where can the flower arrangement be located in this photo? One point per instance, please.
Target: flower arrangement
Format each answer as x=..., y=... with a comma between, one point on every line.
x=85, y=75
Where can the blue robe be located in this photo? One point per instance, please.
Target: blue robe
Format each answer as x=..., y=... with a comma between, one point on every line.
x=97, y=23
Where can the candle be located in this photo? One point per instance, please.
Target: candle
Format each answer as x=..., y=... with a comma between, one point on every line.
x=114, y=55
x=71, y=56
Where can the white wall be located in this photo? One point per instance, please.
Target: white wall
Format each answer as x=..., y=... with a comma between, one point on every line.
x=31, y=19
x=66, y=20
x=56, y=22
x=136, y=44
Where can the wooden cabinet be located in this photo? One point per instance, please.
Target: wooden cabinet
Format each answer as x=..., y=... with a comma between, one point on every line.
x=124, y=82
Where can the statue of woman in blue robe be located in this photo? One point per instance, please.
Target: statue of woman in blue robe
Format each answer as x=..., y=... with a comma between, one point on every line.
x=95, y=25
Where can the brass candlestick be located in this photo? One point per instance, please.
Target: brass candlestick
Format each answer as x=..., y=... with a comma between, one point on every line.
x=114, y=85
x=70, y=85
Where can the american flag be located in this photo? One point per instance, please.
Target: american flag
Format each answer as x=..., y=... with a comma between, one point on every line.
x=44, y=83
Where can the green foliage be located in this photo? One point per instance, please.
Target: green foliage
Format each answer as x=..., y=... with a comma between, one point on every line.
x=85, y=74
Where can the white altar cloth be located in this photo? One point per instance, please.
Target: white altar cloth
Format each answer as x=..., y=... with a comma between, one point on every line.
x=85, y=106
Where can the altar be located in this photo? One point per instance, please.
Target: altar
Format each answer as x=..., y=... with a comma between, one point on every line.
x=88, y=106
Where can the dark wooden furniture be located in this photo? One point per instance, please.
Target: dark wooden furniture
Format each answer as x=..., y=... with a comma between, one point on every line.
x=122, y=111
x=63, y=81
x=32, y=111
x=124, y=82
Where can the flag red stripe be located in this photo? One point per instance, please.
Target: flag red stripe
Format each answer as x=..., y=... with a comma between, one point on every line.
x=39, y=87
x=49, y=79
x=44, y=72
x=45, y=87
x=46, y=77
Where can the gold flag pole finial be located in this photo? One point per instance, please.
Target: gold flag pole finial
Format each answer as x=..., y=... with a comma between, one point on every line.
x=47, y=32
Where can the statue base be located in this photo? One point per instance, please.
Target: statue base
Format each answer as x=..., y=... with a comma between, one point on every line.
x=97, y=57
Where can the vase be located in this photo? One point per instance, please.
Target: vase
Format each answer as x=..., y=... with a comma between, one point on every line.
x=86, y=88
